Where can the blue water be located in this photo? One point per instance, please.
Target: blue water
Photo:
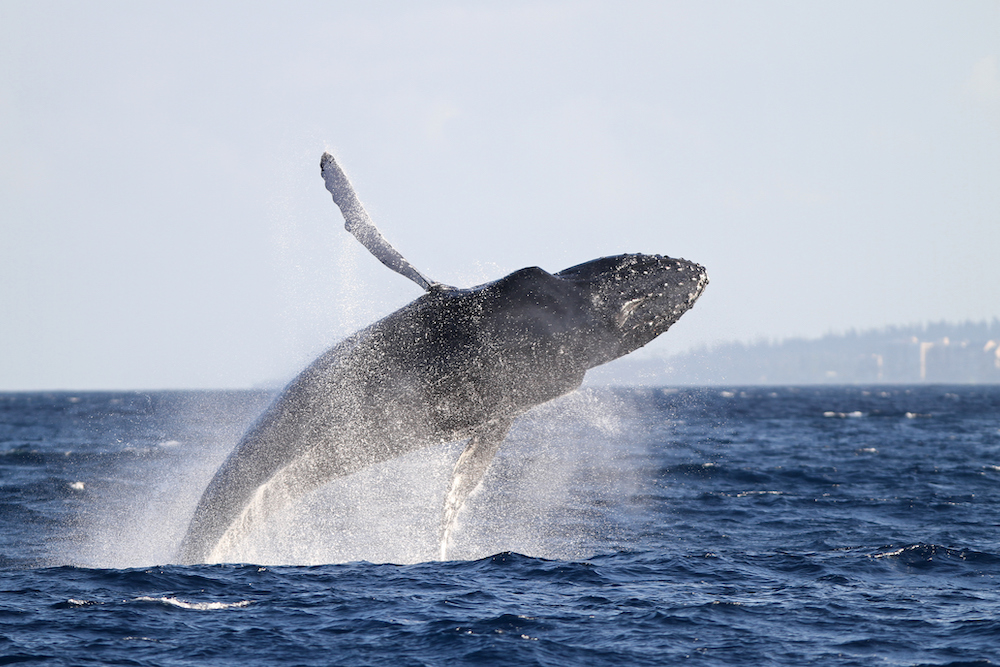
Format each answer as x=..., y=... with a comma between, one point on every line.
x=753, y=526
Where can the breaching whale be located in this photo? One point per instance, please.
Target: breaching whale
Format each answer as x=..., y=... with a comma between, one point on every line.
x=455, y=364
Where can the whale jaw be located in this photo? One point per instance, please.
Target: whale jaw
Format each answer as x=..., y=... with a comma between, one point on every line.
x=638, y=296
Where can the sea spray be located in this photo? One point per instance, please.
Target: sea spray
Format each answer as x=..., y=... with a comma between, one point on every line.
x=541, y=496
x=136, y=510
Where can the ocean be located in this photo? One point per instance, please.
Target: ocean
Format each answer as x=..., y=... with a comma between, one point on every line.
x=704, y=526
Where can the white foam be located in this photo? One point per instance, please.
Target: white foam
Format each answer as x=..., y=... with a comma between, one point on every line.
x=197, y=606
x=889, y=554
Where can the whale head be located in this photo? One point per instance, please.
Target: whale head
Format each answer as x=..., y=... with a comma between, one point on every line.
x=637, y=297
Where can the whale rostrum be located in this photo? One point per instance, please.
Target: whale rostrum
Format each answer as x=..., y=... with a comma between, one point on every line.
x=454, y=364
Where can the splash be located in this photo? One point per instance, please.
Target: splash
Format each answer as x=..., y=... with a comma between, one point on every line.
x=135, y=511
x=542, y=496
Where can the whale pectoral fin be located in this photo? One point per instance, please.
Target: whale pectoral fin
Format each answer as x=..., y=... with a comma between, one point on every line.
x=468, y=473
x=358, y=222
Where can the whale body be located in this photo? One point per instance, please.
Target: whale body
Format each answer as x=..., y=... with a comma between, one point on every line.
x=454, y=364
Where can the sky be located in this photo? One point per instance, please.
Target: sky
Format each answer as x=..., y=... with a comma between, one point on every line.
x=834, y=164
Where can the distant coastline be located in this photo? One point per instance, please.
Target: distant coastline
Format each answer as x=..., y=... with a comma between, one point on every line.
x=946, y=353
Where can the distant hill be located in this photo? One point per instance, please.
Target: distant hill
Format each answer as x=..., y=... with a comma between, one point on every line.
x=930, y=353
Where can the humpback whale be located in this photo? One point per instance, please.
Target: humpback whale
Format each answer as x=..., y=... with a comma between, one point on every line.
x=455, y=364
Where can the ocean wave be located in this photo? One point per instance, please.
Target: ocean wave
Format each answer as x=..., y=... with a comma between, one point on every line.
x=164, y=600
x=928, y=555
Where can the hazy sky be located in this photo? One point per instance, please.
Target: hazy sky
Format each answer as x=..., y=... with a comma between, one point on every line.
x=834, y=165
